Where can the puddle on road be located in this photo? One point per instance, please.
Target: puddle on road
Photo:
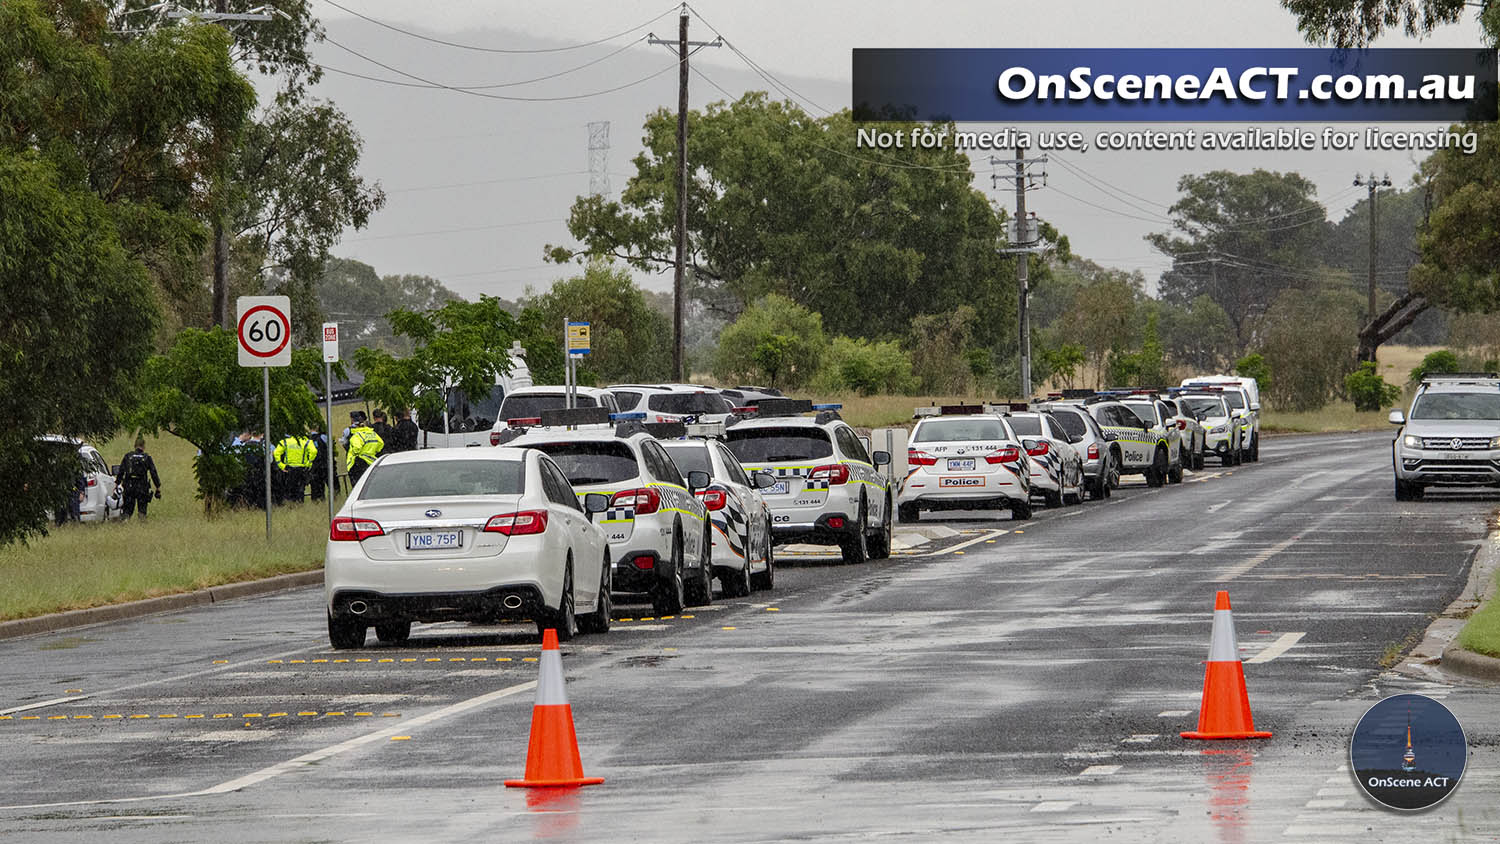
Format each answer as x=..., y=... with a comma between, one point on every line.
x=555, y=811
x=1227, y=773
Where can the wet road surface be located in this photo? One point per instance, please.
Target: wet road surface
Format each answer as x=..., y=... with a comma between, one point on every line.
x=997, y=679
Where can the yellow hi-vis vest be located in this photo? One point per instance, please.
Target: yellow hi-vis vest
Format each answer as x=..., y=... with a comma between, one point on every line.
x=364, y=444
x=296, y=452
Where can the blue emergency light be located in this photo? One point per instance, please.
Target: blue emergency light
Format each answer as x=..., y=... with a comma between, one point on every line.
x=626, y=417
x=827, y=407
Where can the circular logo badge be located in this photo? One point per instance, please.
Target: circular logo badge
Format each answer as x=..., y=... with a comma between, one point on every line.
x=1408, y=752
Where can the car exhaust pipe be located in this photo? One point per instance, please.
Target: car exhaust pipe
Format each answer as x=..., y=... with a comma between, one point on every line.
x=511, y=602
x=358, y=607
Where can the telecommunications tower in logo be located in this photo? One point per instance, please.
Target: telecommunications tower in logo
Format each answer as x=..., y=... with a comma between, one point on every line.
x=1408, y=752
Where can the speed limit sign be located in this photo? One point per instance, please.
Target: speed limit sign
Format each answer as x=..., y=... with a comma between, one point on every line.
x=264, y=330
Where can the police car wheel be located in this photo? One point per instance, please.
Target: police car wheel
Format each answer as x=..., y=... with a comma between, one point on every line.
x=701, y=591
x=668, y=598
x=766, y=579
x=1255, y=448
x=854, y=548
x=393, y=632
x=880, y=543
x=1020, y=510
x=736, y=582
x=564, y=619
x=1053, y=499
x=345, y=634
x=598, y=621
x=1174, y=475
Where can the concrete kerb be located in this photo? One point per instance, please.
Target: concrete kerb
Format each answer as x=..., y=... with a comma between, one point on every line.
x=166, y=603
x=1438, y=656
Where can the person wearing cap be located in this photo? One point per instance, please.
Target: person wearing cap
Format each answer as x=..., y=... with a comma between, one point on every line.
x=136, y=475
x=364, y=446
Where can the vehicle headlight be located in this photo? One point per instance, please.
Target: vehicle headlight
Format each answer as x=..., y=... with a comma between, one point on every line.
x=1495, y=442
x=1218, y=429
x=1414, y=441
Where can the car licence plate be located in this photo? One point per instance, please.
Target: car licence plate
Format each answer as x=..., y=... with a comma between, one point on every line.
x=434, y=541
x=964, y=465
x=778, y=488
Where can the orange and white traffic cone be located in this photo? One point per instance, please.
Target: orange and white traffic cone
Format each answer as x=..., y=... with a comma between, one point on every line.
x=552, y=759
x=1225, y=712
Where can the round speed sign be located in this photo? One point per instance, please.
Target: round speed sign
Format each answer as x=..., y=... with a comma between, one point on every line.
x=265, y=333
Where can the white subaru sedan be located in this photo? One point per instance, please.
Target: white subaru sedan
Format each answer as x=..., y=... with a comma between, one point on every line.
x=463, y=534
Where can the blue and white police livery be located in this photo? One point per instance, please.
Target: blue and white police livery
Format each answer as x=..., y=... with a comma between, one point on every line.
x=1143, y=449
x=1056, y=467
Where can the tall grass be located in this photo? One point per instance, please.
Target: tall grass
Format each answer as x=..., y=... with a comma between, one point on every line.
x=1335, y=416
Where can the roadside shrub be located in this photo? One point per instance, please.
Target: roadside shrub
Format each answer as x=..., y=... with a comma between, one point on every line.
x=1254, y=366
x=1368, y=390
x=1435, y=363
x=776, y=342
x=865, y=367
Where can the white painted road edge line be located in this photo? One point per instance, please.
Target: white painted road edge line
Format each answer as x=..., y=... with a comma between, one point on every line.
x=962, y=545
x=1276, y=648
x=307, y=758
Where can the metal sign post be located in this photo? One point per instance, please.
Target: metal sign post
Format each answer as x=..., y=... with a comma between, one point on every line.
x=577, y=336
x=330, y=356
x=263, y=328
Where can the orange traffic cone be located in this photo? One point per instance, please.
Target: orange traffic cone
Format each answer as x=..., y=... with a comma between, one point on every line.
x=552, y=759
x=1225, y=713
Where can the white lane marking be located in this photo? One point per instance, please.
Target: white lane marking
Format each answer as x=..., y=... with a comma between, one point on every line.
x=1173, y=713
x=1054, y=806
x=1276, y=648
x=52, y=702
x=962, y=545
x=1099, y=770
x=1221, y=505
x=1327, y=804
x=305, y=759
x=1240, y=568
x=1068, y=513
x=344, y=746
x=1141, y=738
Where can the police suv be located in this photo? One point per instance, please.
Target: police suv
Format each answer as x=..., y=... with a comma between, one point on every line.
x=743, y=556
x=1243, y=397
x=829, y=489
x=964, y=457
x=1159, y=418
x=660, y=542
x=1221, y=430
x=1451, y=435
x=1144, y=447
x=1056, y=467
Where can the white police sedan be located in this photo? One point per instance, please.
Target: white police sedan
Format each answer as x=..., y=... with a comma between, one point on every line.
x=464, y=534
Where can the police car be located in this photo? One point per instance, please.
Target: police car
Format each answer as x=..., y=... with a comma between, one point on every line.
x=673, y=402
x=964, y=458
x=1190, y=430
x=1144, y=447
x=660, y=541
x=1221, y=431
x=829, y=489
x=1056, y=467
x=1159, y=419
x=743, y=556
x=1101, y=458
x=1243, y=397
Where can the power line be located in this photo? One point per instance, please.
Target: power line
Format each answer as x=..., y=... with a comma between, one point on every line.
x=490, y=85
x=785, y=89
x=457, y=45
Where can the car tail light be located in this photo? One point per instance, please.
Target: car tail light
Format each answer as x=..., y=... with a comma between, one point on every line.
x=644, y=562
x=523, y=421
x=661, y=418
x=93, y=481
x=518, y=524
x=746, y=409
x=1182, y=424
x=494, y=437
x=714, y=499
x=644, y=501
x=837, y=522
x=1093, y=451
x=1004, y=455
x=919, y=458
x=833, y=473
x=1040, y=449
x=345, y=529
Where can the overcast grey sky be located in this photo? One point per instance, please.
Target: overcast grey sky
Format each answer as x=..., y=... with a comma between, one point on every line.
x=477, y=186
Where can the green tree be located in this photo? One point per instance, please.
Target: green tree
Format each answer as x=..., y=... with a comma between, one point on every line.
x=1063, y=362
x=198, y=391
x=1356, y=23
x=1197, y=336
x=1435, y=363
x=461, y=345
x=775, y=342
x=865, y=367
x=781, y=202
x=1368, y=390
x=1254, y=366
x=1101, y=318
x=629, y=341
x=941, y=347
x=1241, y=239
x=354, y=295
x=1308, y=342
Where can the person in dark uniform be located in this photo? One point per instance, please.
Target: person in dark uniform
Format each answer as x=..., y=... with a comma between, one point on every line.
x=383, y=429
x=137, y=475
x=405, y=431
x=317, y=476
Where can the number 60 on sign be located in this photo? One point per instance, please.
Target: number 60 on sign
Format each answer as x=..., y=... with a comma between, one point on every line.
x=263, y=328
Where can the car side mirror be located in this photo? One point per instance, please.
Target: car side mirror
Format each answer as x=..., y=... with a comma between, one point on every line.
x=1398, y=418
x=764, y=480
x=595, y=502
x=697, y=481
x=882, y=458
x=1255, y=405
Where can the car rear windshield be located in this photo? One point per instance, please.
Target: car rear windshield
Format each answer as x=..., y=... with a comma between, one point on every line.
x=442, y=478
x=1026, y=426
x=1071, y=422
x=1203, y=406
x=686, y=403
x=592, y=463
x=530, y=407
x=689, y=457
x=773, y=445
x=627, y=399
x=1457, y=406
x=960, y=430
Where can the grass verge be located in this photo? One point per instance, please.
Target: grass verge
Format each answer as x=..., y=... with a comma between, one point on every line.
x=1337, y=416
x=178, y=549
x=1481, y=634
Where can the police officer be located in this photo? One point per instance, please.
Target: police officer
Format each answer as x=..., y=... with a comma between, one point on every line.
x=406, y=430
x=136, y=469
x=293, y=455
x=364, y=446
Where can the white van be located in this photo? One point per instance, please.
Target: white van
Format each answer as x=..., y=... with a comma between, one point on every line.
x=468, y=420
